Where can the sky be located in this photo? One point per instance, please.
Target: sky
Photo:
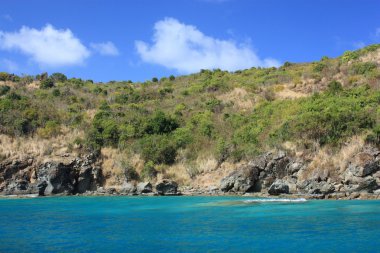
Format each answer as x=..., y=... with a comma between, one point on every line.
x=136, y=40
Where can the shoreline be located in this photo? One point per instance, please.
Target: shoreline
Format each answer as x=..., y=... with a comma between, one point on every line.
x=335, y=196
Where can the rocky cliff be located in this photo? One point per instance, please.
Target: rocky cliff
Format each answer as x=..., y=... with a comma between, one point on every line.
x=274, y=173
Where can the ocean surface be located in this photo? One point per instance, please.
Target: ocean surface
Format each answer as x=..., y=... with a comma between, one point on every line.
x=188, y=224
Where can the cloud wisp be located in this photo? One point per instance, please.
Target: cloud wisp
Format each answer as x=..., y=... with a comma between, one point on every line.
x=106, y=48
x=49, y=47
x=186, y=49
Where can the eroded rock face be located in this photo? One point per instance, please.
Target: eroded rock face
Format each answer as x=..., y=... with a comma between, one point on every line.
x=241, y=180
x=167, y=187
x=315, y=187
x=128, y=188
x=144, y=187
x=258, y=174
x=23, y=177
x=279, y=187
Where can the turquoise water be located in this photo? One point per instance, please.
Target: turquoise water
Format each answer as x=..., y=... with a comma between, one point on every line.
x=187, y=224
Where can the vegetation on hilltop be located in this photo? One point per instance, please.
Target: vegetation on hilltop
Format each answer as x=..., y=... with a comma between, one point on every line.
x=230, y=116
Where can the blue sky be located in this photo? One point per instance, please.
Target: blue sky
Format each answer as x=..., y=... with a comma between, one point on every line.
x=141, y=39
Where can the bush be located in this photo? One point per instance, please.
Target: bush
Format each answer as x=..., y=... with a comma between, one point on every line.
x=148, y=172
x=171, y=78
x=56, y=93
x=4, y=89
x=160, y=123
x=155, y=79
x=58, y=77
x=158, y=149
x=349, y=56
x=334, y=87
x=46, y=83
x=182, y=137
x=4, y=76
x=362, y=68
x=52, y=128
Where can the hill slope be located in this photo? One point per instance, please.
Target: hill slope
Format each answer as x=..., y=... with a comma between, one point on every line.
x=195, y=129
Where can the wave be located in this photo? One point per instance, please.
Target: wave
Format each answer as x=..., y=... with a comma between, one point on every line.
x=274, y=200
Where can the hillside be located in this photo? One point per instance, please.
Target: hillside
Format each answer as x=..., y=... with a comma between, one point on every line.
x=199, y=128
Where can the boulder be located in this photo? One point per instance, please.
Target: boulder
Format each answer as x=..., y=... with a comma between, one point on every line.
x=127, y=188
x=315, y=187
x=241, y=180
x=278, y=187
x=144, y=187
x=167, y=187
x=367, y=184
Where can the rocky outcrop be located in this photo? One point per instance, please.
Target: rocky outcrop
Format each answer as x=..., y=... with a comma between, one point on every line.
x=241, y=180
x=279, y=173
x=315, y=187
x=167, y=187
x=278, y=187
x=258, y=174
x=128, y=188
x=24, y=177
x=144, y=187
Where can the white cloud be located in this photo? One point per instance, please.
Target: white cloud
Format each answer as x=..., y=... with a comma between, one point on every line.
x=47, y=47
x=8, y=65
x=377, y=33
x=106, y=48
x=186, y=49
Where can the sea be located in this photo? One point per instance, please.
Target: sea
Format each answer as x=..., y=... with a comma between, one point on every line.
x=188, y=224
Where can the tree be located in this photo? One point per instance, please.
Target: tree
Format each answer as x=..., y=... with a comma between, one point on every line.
x=58, y=77
x=155, y=79
x=171, y=78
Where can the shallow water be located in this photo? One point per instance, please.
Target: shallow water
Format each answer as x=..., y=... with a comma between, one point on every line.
x=188, y=224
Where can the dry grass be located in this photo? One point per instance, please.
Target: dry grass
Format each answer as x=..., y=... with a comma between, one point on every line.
x=113, y=162
x=328, y=163
x=53, y=149
x=286, y=93
x=240, y=99
x=371, y=57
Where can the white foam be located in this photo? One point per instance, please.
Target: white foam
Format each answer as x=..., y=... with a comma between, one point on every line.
x=274, y=200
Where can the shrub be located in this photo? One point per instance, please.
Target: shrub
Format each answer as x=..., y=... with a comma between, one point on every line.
x=158, y=149
x=56, y=93
x=171, y=78
x=349, y=56
x=319, y=67
x=46, y=83
x=52, y=128
x=334, y=87
x=4, y=89
x=4, y=76
x=182, y=137
x=362, y=68
x=160, y=123
x=155, y=79
x=58, y=77
x=148, y=172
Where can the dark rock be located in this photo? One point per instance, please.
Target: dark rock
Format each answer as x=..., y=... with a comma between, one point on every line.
x=241, y=180
x=85, y=179
x=144, y=187
x=278, y=187
x=315, y=187
x=41, y=188
x=167, y=187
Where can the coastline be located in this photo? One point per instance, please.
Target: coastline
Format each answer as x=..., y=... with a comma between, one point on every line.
x=261, y=195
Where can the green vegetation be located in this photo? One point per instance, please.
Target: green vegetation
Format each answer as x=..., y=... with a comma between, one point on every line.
x=213, y=112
